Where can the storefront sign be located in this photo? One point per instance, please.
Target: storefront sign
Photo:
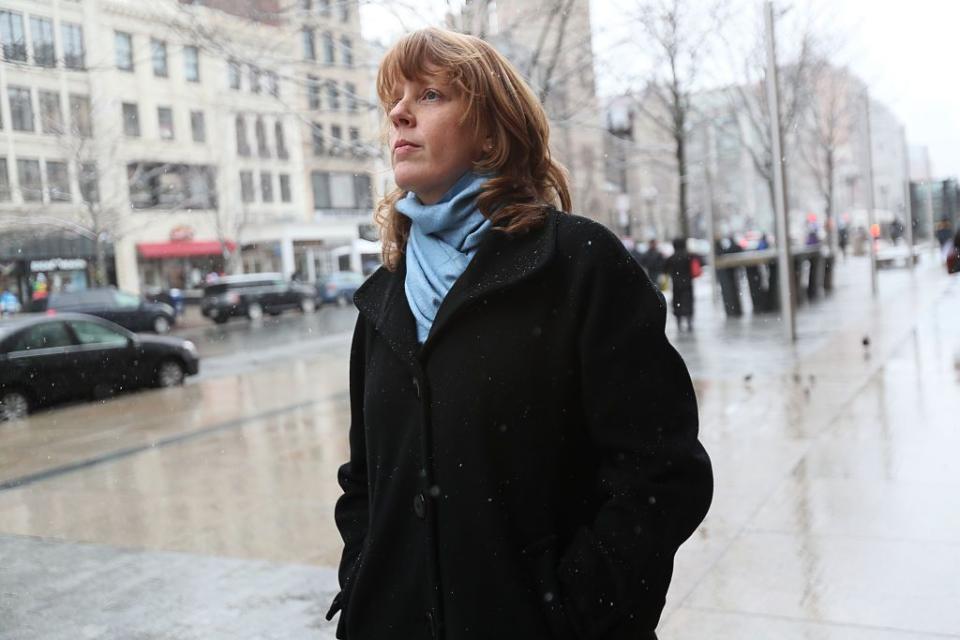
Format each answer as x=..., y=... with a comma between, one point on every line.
x=58, y=264
x=181, y=233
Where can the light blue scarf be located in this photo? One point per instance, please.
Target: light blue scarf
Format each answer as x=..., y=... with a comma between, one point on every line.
x=443, y=238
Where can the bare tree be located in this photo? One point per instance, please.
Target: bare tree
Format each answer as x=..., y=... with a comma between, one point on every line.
x=680, y=33
x=828, y=128
x=748, y=97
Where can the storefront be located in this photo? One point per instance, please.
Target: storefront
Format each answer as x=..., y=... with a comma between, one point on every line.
x=34, y=265
x=181, y=263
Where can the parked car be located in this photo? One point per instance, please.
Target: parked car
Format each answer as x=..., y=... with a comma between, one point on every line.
x=252, y=295
x=127, y=310
x=47, y=359
x=339, y=286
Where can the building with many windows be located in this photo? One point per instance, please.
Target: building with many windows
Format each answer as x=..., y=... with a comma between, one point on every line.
x=169, y=139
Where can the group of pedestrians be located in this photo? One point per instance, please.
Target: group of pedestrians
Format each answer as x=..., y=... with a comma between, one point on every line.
x=681, y=268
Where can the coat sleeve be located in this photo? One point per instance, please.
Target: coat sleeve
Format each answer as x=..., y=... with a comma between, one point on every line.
x=353, y=507
x=654, y=481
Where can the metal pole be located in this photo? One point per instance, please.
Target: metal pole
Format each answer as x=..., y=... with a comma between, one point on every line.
x=784, y=257
x=907, y=205
x=711, y=235
x=871, y=204
x=933, y=234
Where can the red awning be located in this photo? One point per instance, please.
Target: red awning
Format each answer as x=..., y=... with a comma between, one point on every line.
x=182, y=249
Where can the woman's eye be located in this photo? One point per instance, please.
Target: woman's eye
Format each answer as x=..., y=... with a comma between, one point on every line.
x=431, y=95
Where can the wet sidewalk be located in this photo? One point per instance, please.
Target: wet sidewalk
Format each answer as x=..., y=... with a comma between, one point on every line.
x=206, y=513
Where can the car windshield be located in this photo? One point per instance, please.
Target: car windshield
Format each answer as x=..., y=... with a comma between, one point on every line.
x=126, y=300
x=95, y=333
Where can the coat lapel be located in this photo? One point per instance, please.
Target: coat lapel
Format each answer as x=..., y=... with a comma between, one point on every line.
x=501, y=261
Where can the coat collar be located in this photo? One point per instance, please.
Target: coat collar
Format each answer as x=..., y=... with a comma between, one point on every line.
x=501, y=261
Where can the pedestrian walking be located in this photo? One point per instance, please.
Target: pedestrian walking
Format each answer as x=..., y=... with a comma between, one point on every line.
x=653, y=262
x=953, y=256
x=523, y=460
x=680, y=267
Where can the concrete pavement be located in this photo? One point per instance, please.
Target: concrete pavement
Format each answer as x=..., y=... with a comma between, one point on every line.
x=205, y=512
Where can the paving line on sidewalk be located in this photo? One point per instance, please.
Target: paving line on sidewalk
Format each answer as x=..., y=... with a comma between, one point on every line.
x=46, y=474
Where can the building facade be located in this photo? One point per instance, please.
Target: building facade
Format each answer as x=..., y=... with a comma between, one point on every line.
x=177, y=139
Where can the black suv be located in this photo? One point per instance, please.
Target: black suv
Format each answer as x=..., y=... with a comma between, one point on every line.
x=127, y=310
x=252, y=295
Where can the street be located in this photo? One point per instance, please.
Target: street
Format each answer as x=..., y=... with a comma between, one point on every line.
x=206, y=511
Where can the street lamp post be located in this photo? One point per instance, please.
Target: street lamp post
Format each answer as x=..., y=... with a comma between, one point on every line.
x=784, y=258
x=871, y=202
x=907, y=206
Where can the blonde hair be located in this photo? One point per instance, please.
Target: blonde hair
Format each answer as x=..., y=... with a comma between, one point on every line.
x=499, y=106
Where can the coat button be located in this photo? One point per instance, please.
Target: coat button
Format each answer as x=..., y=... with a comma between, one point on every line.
x=419, y=506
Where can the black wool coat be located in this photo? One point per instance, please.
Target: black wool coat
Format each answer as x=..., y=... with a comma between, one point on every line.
x=531, y=469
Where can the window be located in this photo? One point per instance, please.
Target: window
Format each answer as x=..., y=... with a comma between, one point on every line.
x=309, y=46
x=362, y=191
x=198, y=126
x=49, y=335
x=246, y=186
x=305, y=5
x=5, y=182
x=51, y=116
x=58, y=181
x=285, y=194
x=313, y=92
x=320, y=181
x=273, y=84
x=131, y=120
x=234, y=74
x=266, y=186
x=73, y=51
x=21, y=108
x=158, y=52
x=328, y=54
x=354, y=136
x=89, y=182
x=333, y=95
x=341, y=190
x=243, y=146
x=80, y=116
x=94, y=333
x=123, y=49
x=336, y=138
x=191, y=64
x=31, y=186
x=351, y=90
x=44, y=54
x=344, y=10
x=346, y=51
x=323, y=6
x=261, y=132
x=165, y=123
x=317, y=137
x=254, y=79
x=282, y=152
x=12, y=37
x=161, y=185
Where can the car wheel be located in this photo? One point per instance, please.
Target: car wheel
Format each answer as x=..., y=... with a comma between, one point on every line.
x=161, y=325
x=255, y=311
x=308, y=305
x=170, y=374
x=14, y=405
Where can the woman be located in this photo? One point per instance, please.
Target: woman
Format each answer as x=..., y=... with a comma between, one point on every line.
x=524, y=459
x=680, y=268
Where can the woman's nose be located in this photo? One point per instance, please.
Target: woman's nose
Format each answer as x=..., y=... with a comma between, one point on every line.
x=400, y=115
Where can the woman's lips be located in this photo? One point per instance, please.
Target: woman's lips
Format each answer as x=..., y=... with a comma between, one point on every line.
x=405, y=149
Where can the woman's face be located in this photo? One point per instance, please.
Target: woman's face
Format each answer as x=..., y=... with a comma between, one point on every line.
x=429, y=147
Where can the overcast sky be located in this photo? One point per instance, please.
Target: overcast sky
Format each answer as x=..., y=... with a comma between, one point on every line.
x=907, y=52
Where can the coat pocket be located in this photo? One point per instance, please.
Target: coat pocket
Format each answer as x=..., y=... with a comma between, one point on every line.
x=541, y=559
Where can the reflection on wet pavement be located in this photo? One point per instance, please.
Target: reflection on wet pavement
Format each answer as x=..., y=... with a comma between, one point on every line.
x=836, y=512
